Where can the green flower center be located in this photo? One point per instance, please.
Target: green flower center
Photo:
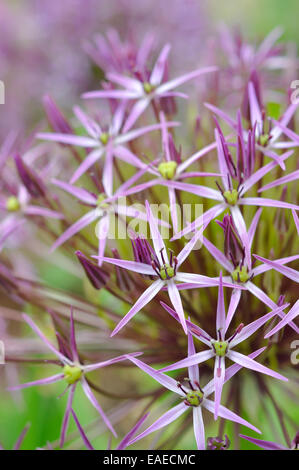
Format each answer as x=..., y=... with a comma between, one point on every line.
x=194, y=398
x=148, y=88
x=168, y=169
x=13, y=204
x=72, y=374
x=100, y=203
x=104, y=137
x=231, y=197
x=167, y=272
x=220, y=348
x=240, y=275
x=264, y=139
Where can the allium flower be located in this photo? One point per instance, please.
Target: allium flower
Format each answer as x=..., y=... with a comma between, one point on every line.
x=155, y=263
x=108, y=144
x=268, y=445
x=216, y=443
x=235, y=261
x=147, y=88
x=220, y=348
x=193, y=396
x=73, y=373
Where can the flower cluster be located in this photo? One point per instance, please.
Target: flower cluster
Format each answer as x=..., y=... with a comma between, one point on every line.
x=218, y=194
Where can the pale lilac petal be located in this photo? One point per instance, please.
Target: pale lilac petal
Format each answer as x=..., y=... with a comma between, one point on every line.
x=48, y=380
x=79, y=193
x=285, y=179
x=134, y=266
x=90, y=160
x=271, y=154
x=43, y=212
x=162, y=379
x=126, y=137
x=242, y=231
x=107, y=177
x=193, y=371
x=163, y=421
x=130, y=83
x=249, y=363
x=259, y=174
x=253, y=226
x=202, y=191
x=296, y=220
x=266, y=445
x=220, y=316
x=182, y=167
x=68, y=139
x=219, y=112
x=81, y=431
x=143, y=300
x=109, y=362
x=138, y=108
x=205, y=218
x=227, y=414
x=262, y=268
x=44, y=339
x=197, y=280
x=73, y=342
x=91, y=127
x=126, y=440
x=102, y=234
x=266, y=45
x=189, y=361
x=67, y=413
x=288, y=132
x=176, y=301
x=222, y=161
x=127, y=156
x=288, y=114
x=285, y=270
x=183, y=78
x=248, y=330
x=219, y=374
x=199, y=429
x=218, y=255
x=233, y=304
x=173, y=208
x=255, y=111
x=159, y=67
x=96, y=405
x=184, y=253
x=155, y=234
x=75, y=228
x=293, y=313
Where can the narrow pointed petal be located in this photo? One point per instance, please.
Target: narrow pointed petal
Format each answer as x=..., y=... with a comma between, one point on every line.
x=114, y=94
x=127, y=82
x=107, y=177
x=242, y=231
x=192, y=370
x=220, y=316
x=199, y=429
x=44, y=338
x=163, y=421
x=75, y=228
x=296, y=220
x=253, y=226
x=285, y=270
x=227, y=414
x=218, y=255
x=109, y=362
x=176, y=301
x=68, y=139
x=81, y=431
x=159, y=67
x=266, y=445
x=250, y=329
x=183, y=79
x=219, y=374
x=291, y=315
x=288, y=132
x=102, y=234
x=249, y=363
x=196, y=156
x=90, y=160
x=79, y=193
x=67, y=413
x=126, y=440
x=48, y=380
x=143, y=300
x=202, y=191
x=162, y=379
x=189, y=361
x=73, y=342
x=155, y=234
x=261, y=201
x=233, y=305
x=173, y=208
x=43, y=212
x=262, y=268
x=140, y=268
x=96, y=405
x=138, y=108
x=222, y=115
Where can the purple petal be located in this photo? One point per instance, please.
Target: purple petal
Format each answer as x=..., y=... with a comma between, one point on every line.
x=218, y=255
x=43, y=212
x=233, y=304
x=266, y=445
x=182, y=167
x=90, y=160
x=94, y=402
x=293, y=313
x=48, y=380
x=143, y=300
x=99, y=365
x=199, y=429
x=249, y=363
x=159, y=67
x=220, y=316
x=285, y=179
x=253, y=226
x=126, y=440
x=189, y=361
x=296, y=220
x=285, y=270
x=75, y=228
x=67, y=413
x=138, y=108
x=140, y=268
x=81, y=431
x=219, y=375
x=80, y=193
x=176, y=301
x=155, y=234
x=184, y=78
x=68, y=139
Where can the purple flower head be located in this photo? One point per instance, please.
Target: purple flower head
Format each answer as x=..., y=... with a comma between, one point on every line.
x=162, y=268
x=222, y=347
x=73, y=372
x=193, y=397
